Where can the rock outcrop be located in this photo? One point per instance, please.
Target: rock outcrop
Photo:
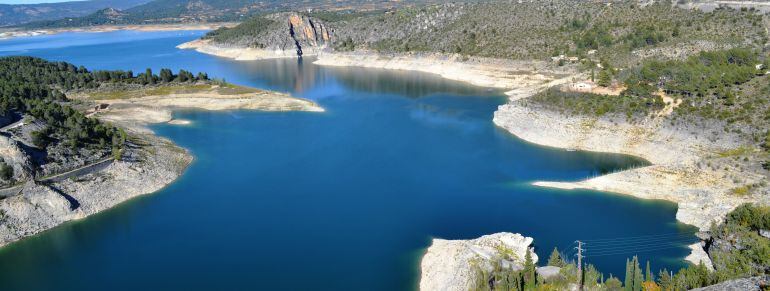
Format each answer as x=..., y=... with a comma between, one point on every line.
x=286, y=35
x=745, y=284
x=44, y=206
x=13, y=156
x=698, y=255
x=452, y=264
x=678, y=173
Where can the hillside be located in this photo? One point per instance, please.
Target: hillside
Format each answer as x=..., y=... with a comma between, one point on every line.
x=622, y=33
x=197, y=11
x=24, y=13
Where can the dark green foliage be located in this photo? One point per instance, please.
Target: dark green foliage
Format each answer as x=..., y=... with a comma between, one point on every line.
x=6, y=171
x=747, y=254
x=245, y=31
x=613, y=283
x=750, y=216
x=555, y=259
x=35, y=86
x=605, y=78
x=707, y=72
x=596, y=104
x=529, y=272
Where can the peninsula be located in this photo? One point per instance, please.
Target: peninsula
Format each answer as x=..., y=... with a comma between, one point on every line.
x=73, y=142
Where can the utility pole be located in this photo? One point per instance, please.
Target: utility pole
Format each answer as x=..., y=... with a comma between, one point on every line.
x=580, y=263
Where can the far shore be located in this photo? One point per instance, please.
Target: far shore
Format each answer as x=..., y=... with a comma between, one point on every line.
x=13, y=33
x=675, y=175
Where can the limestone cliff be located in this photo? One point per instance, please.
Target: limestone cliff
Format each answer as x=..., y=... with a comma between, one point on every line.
x=272, y=36
x=452, y=264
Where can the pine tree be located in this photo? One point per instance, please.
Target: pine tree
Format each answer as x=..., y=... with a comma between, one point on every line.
x=665, y=280
x=605, y=78
x=530, y=274
x=555, y=259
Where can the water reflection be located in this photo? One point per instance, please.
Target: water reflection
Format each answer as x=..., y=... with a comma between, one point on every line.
x=301, y=75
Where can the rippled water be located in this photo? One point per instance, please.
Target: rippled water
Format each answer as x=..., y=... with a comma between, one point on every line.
x=346, y=199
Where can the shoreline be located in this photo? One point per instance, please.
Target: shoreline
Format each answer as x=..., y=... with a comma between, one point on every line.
x=147, y=167
x=9, y=34
x=701, y=198
x=673, y=155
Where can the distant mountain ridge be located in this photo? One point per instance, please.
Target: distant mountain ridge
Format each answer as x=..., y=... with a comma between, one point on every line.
x=198, y=11
x=16, y=14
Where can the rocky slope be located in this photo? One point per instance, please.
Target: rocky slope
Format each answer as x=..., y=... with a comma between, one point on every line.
x=275, y=36
x=42, y=206
x=451, y=264
x=679, y=172
x=746, y=284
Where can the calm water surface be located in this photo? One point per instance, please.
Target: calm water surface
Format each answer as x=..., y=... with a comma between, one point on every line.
x=346, y=199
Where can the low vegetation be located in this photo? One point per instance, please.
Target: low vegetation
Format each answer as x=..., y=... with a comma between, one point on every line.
x=736, y=248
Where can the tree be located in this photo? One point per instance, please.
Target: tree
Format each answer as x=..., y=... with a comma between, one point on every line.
x=166, y=75
x=605, y=78
x=530, y=273
x=555, y=259
x=634, y=278
x=6, y=171
x=613, y=284
x=648, y=275
x=664, y=280
x=40, y=138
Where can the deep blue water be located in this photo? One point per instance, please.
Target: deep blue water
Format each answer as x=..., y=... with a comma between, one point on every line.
x=342, y=200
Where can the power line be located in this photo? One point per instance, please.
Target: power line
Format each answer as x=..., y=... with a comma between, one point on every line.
x=635, y=237
x=641, y=240
x=634, y=250
x=638, y=245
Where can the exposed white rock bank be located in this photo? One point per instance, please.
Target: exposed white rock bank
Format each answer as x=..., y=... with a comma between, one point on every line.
x=451, y=264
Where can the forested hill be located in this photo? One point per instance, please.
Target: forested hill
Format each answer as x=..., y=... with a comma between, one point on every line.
x=33, y=90
x=196, y=11
x=15, y=14
x=622, y=32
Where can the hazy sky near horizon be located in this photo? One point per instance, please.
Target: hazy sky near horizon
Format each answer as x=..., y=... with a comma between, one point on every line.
x=32, y=1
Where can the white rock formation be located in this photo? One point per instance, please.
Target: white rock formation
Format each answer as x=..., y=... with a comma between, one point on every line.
x=450, y=264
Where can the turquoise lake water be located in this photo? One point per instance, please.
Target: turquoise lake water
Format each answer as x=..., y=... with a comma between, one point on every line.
x=348, y=199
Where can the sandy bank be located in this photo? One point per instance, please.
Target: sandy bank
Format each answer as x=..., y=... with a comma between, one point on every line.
x=450, y=264
x=136, y=113
x=241, y=53
x=107, y=28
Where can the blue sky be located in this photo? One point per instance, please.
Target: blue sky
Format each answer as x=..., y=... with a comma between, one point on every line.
x=30, y=1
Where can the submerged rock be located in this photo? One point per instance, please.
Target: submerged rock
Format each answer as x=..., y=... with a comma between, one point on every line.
x=451, y=264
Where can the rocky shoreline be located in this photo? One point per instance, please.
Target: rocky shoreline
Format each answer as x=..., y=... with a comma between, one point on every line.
x=148, y=165
x=677, y=173
x=42, y=206
x=242, y=53
x=451, y=264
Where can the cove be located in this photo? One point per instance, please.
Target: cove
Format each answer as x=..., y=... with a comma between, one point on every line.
x=342, y=200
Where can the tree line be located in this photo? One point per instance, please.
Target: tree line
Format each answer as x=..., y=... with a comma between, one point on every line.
x=737, y=251
x=37, y=87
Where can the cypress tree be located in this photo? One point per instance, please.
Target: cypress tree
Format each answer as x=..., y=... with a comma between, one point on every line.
x=530, y=274
x=628, y=281
x=638, y=277
x=648, y=275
